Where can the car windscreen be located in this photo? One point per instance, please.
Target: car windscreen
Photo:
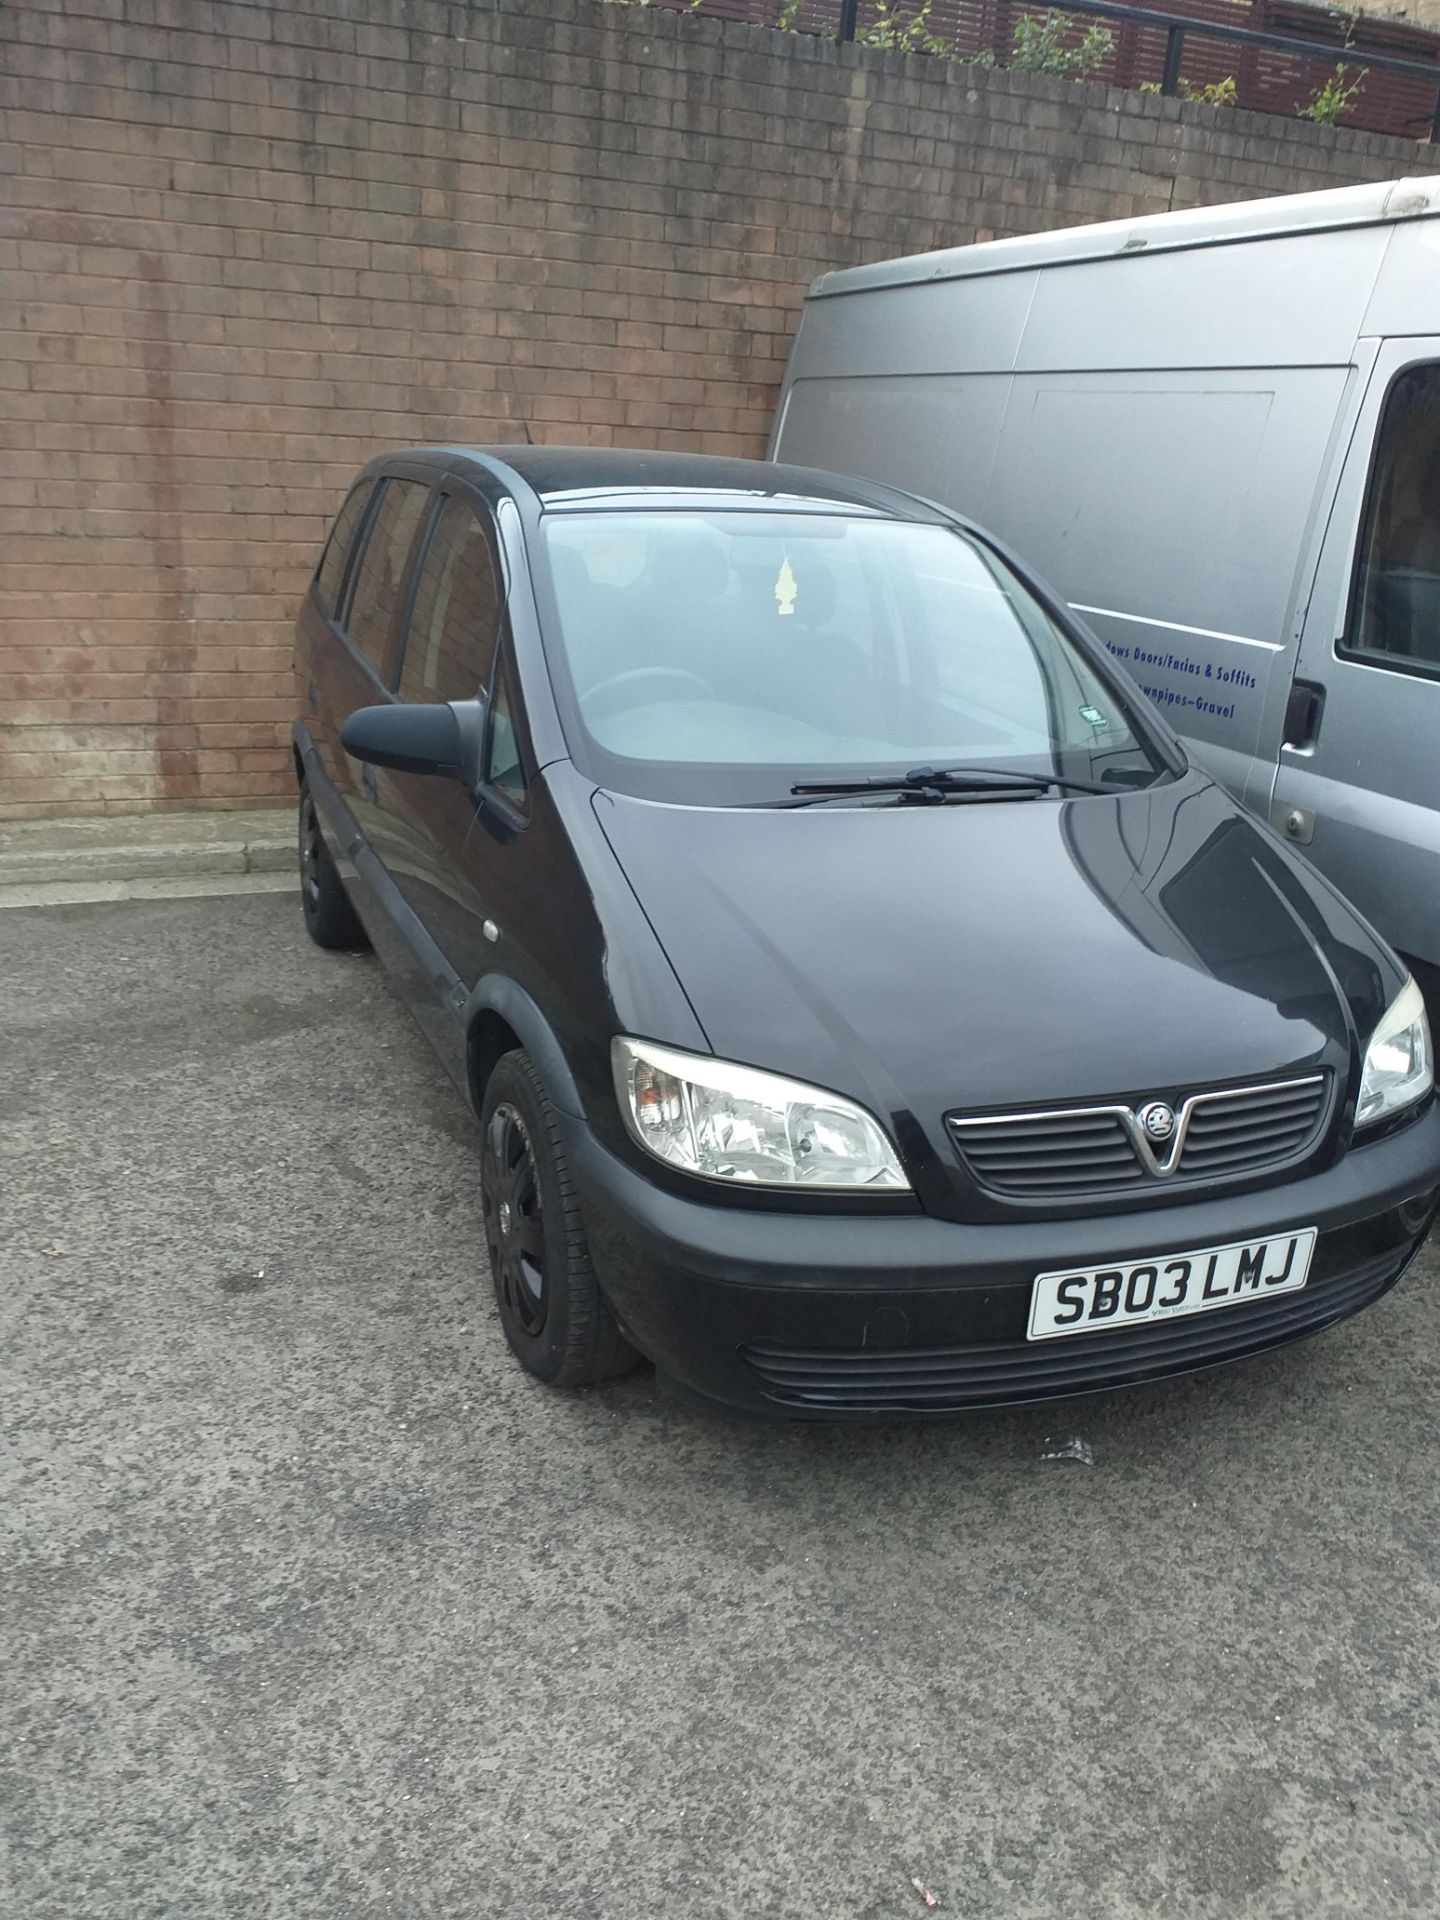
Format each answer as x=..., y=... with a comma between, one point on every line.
x=720, y=657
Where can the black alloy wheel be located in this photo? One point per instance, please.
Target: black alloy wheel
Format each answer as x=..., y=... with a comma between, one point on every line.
x=514, y=1220
x=555, y=1317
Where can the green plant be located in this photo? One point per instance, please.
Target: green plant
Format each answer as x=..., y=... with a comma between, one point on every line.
x=788, y=18
x=1038, y=46
x=1326, y=104
x=891, y=29
x=1216, y=93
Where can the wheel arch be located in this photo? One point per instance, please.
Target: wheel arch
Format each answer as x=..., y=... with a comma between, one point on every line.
x=500, y=1016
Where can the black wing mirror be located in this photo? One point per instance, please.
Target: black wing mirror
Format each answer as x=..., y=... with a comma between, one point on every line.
x=439, y=739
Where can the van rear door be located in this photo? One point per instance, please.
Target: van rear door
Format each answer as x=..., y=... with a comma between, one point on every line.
x=1358, y=782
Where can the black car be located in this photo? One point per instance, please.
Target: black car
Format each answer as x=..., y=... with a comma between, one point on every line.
x=865, y=1006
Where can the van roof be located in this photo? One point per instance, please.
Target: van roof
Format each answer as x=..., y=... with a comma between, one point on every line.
x=1280, y=215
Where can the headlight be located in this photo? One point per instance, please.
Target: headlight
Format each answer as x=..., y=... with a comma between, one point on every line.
x=735, y=1123
x=1399, y=1064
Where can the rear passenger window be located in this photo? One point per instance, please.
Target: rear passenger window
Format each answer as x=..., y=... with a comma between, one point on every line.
x=450, y=646
x=329, y=579
x=381, y=577
x=1395, y=615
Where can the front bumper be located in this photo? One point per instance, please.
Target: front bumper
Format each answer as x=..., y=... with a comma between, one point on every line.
x=823, y=1315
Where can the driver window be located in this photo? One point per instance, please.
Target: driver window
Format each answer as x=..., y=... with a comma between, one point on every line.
x=1395, y=614
x=450, y=644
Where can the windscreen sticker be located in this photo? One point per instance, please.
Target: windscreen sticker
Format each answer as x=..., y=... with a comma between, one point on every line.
x=786, y=588
x=1094, y=717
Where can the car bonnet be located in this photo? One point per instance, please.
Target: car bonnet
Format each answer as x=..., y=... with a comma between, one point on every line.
x=925, y=959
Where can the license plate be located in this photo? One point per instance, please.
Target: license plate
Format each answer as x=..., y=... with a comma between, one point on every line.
x=1167, y=1285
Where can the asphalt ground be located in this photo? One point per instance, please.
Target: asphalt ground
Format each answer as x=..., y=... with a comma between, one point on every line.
x=314, y=1605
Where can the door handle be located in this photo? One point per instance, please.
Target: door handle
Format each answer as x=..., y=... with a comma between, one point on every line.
x=1303, y=713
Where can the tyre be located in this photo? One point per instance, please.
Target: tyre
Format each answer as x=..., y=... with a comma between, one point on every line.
x=330, y=920
x=555, y=1317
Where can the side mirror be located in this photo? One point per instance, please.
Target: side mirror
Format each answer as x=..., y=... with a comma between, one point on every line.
x=439, y=739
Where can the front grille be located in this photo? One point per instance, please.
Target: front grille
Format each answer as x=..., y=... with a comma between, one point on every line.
x=1085, y=1151
x=1229, y=1131
x=951, y=1379
x=1101, y=1149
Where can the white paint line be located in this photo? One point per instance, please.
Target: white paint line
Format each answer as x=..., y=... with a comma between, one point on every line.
x=1174, y=626
x=191, y=886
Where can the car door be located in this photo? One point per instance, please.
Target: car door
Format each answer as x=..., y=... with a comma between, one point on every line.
x=1357, y=784
x=338, y=679
x=433, y=842
x=357, y=593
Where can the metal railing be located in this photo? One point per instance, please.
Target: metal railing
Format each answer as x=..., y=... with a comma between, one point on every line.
x=1177, y=25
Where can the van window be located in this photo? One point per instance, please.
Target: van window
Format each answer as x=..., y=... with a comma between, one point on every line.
x=331, y=574
x=450, y=646
x=1395, y=612
x=381, y=575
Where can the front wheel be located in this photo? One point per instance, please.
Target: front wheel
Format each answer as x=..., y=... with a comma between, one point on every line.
x=557, y=1321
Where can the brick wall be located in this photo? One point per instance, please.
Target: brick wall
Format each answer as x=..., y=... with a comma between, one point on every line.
x=244, y=246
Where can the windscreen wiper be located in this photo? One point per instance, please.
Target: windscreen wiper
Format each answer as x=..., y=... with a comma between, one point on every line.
x=942, y=783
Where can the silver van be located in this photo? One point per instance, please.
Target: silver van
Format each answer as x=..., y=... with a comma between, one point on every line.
x=1217, y=432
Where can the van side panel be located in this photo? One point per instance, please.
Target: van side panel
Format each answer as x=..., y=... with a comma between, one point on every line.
x=940, y=431
x=950, y=326
x=1274, y=303
x=1155, y=503
x=1170, y=514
